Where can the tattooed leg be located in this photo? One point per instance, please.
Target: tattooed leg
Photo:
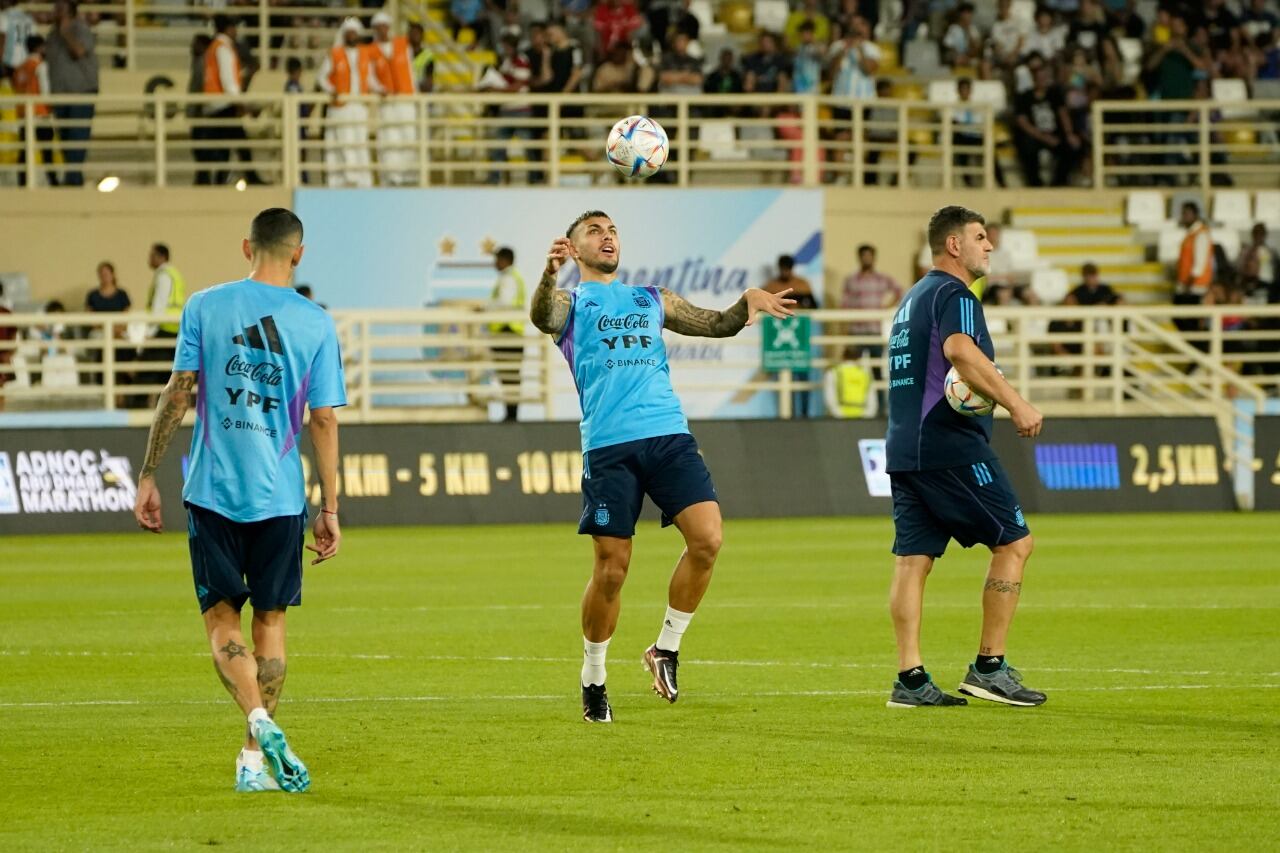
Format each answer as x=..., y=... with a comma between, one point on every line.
x=1001, y=592
x=268, y=650
x=235, y=666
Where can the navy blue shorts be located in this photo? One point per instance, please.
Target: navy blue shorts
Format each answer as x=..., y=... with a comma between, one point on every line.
x=234, y=561
x=971, y=504
x=615, y=479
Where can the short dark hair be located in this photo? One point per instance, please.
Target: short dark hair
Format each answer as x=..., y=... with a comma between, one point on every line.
x=948, y=221
x=866, y=247
x=292, y=64
x=1195, y=208
x=161, y=249
x=34, y=43
x=589, y=214
x=505, y=254
x=275, y=229
x=807, y=26
x=1089, y=269
x=222, y=23
x=786, y=262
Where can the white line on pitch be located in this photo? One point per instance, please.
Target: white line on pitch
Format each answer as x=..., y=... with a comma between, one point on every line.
x=568, y=697
x=516, y=658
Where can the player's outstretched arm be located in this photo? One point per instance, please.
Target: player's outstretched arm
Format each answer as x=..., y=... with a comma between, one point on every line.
x=174, y=401
x=324, y=441
x=978, y=371
x=551, y=306
x=686, y=319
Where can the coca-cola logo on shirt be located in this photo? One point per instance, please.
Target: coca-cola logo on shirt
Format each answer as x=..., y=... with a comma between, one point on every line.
x=262, y=372
x=631, y=321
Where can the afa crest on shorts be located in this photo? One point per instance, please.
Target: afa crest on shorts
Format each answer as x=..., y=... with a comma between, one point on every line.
x=602, y=516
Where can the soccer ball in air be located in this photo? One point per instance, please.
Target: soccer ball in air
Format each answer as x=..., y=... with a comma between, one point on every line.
x=637, y=146
x=964, y=399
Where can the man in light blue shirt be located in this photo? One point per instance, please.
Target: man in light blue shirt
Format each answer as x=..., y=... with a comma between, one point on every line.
x=255, y=353
x=635, y=438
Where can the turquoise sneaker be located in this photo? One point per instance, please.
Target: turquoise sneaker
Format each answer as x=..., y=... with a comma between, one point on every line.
x=287, y=768
x=254, y=781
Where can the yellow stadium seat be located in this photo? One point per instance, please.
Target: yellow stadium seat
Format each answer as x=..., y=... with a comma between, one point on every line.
x=906, y=91
x=737, y=17
x=1243, y=136
x=888, y=56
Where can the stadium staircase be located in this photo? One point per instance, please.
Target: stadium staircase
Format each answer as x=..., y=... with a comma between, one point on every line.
x=1070, y=236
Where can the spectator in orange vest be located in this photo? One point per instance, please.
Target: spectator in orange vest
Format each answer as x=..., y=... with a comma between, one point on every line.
x=347, y=71
x=1195, y=260
x=222, y=76
x=32, y=78
x=397, y=115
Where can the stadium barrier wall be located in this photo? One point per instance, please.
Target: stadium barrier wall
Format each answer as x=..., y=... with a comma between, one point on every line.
x=57, y=241
x=83, y=480
x=1266, y=446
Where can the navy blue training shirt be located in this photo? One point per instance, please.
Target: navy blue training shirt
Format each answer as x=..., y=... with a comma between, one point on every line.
x=925, y=433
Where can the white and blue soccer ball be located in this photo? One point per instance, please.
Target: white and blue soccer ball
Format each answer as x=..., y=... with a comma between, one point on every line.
x=965, y=400
x=637, y=146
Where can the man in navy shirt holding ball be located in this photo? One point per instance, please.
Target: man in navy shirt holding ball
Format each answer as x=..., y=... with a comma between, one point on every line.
x=947, y=481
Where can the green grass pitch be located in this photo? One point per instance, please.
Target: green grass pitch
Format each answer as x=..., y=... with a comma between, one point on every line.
x=433, y=691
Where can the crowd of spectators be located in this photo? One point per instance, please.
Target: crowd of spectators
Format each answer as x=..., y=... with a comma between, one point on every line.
x=1054, y=67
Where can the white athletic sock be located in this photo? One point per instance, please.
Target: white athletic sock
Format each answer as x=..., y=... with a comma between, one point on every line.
x=251, y=758
x=593, y=661
x=258, y=715
x=674, y=625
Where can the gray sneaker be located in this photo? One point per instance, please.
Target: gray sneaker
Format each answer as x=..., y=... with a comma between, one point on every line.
x=923, y=697
x=1004, y=686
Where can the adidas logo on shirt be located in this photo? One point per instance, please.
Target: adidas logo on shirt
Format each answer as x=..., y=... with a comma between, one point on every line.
x=252, y=337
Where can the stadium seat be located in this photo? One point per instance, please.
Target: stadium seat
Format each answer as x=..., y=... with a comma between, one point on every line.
x=1170, y=244
x=924, y=58
x=1266, y=90
x=1145, y=209
x=1022, y=248
x=1229, y=240
x=719, y=141
x=701, y=9
x=943, y=91
x=1231, y=90
x=737, y=17
x=59, y=371
x=1051, y=285
x=991, y=92
x=1266, y=208
x=1131, y=53
x=771, y=14
x=1231, y=209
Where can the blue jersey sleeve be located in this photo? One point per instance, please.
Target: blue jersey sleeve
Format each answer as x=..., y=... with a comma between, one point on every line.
x=961, y=313
x=328, y=386
x=187, y=353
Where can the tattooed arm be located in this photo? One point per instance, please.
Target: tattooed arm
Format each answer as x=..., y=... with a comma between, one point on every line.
x=176, y=398
x=551, y=305
x=686, y=319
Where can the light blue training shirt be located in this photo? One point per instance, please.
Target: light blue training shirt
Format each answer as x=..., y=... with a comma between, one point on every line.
x=261, y=353
x=613, y=343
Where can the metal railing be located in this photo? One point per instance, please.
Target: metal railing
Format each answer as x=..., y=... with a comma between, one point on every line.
x=170, y=138
x=1206, y=143
x=440, y=364
x=157, y=36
